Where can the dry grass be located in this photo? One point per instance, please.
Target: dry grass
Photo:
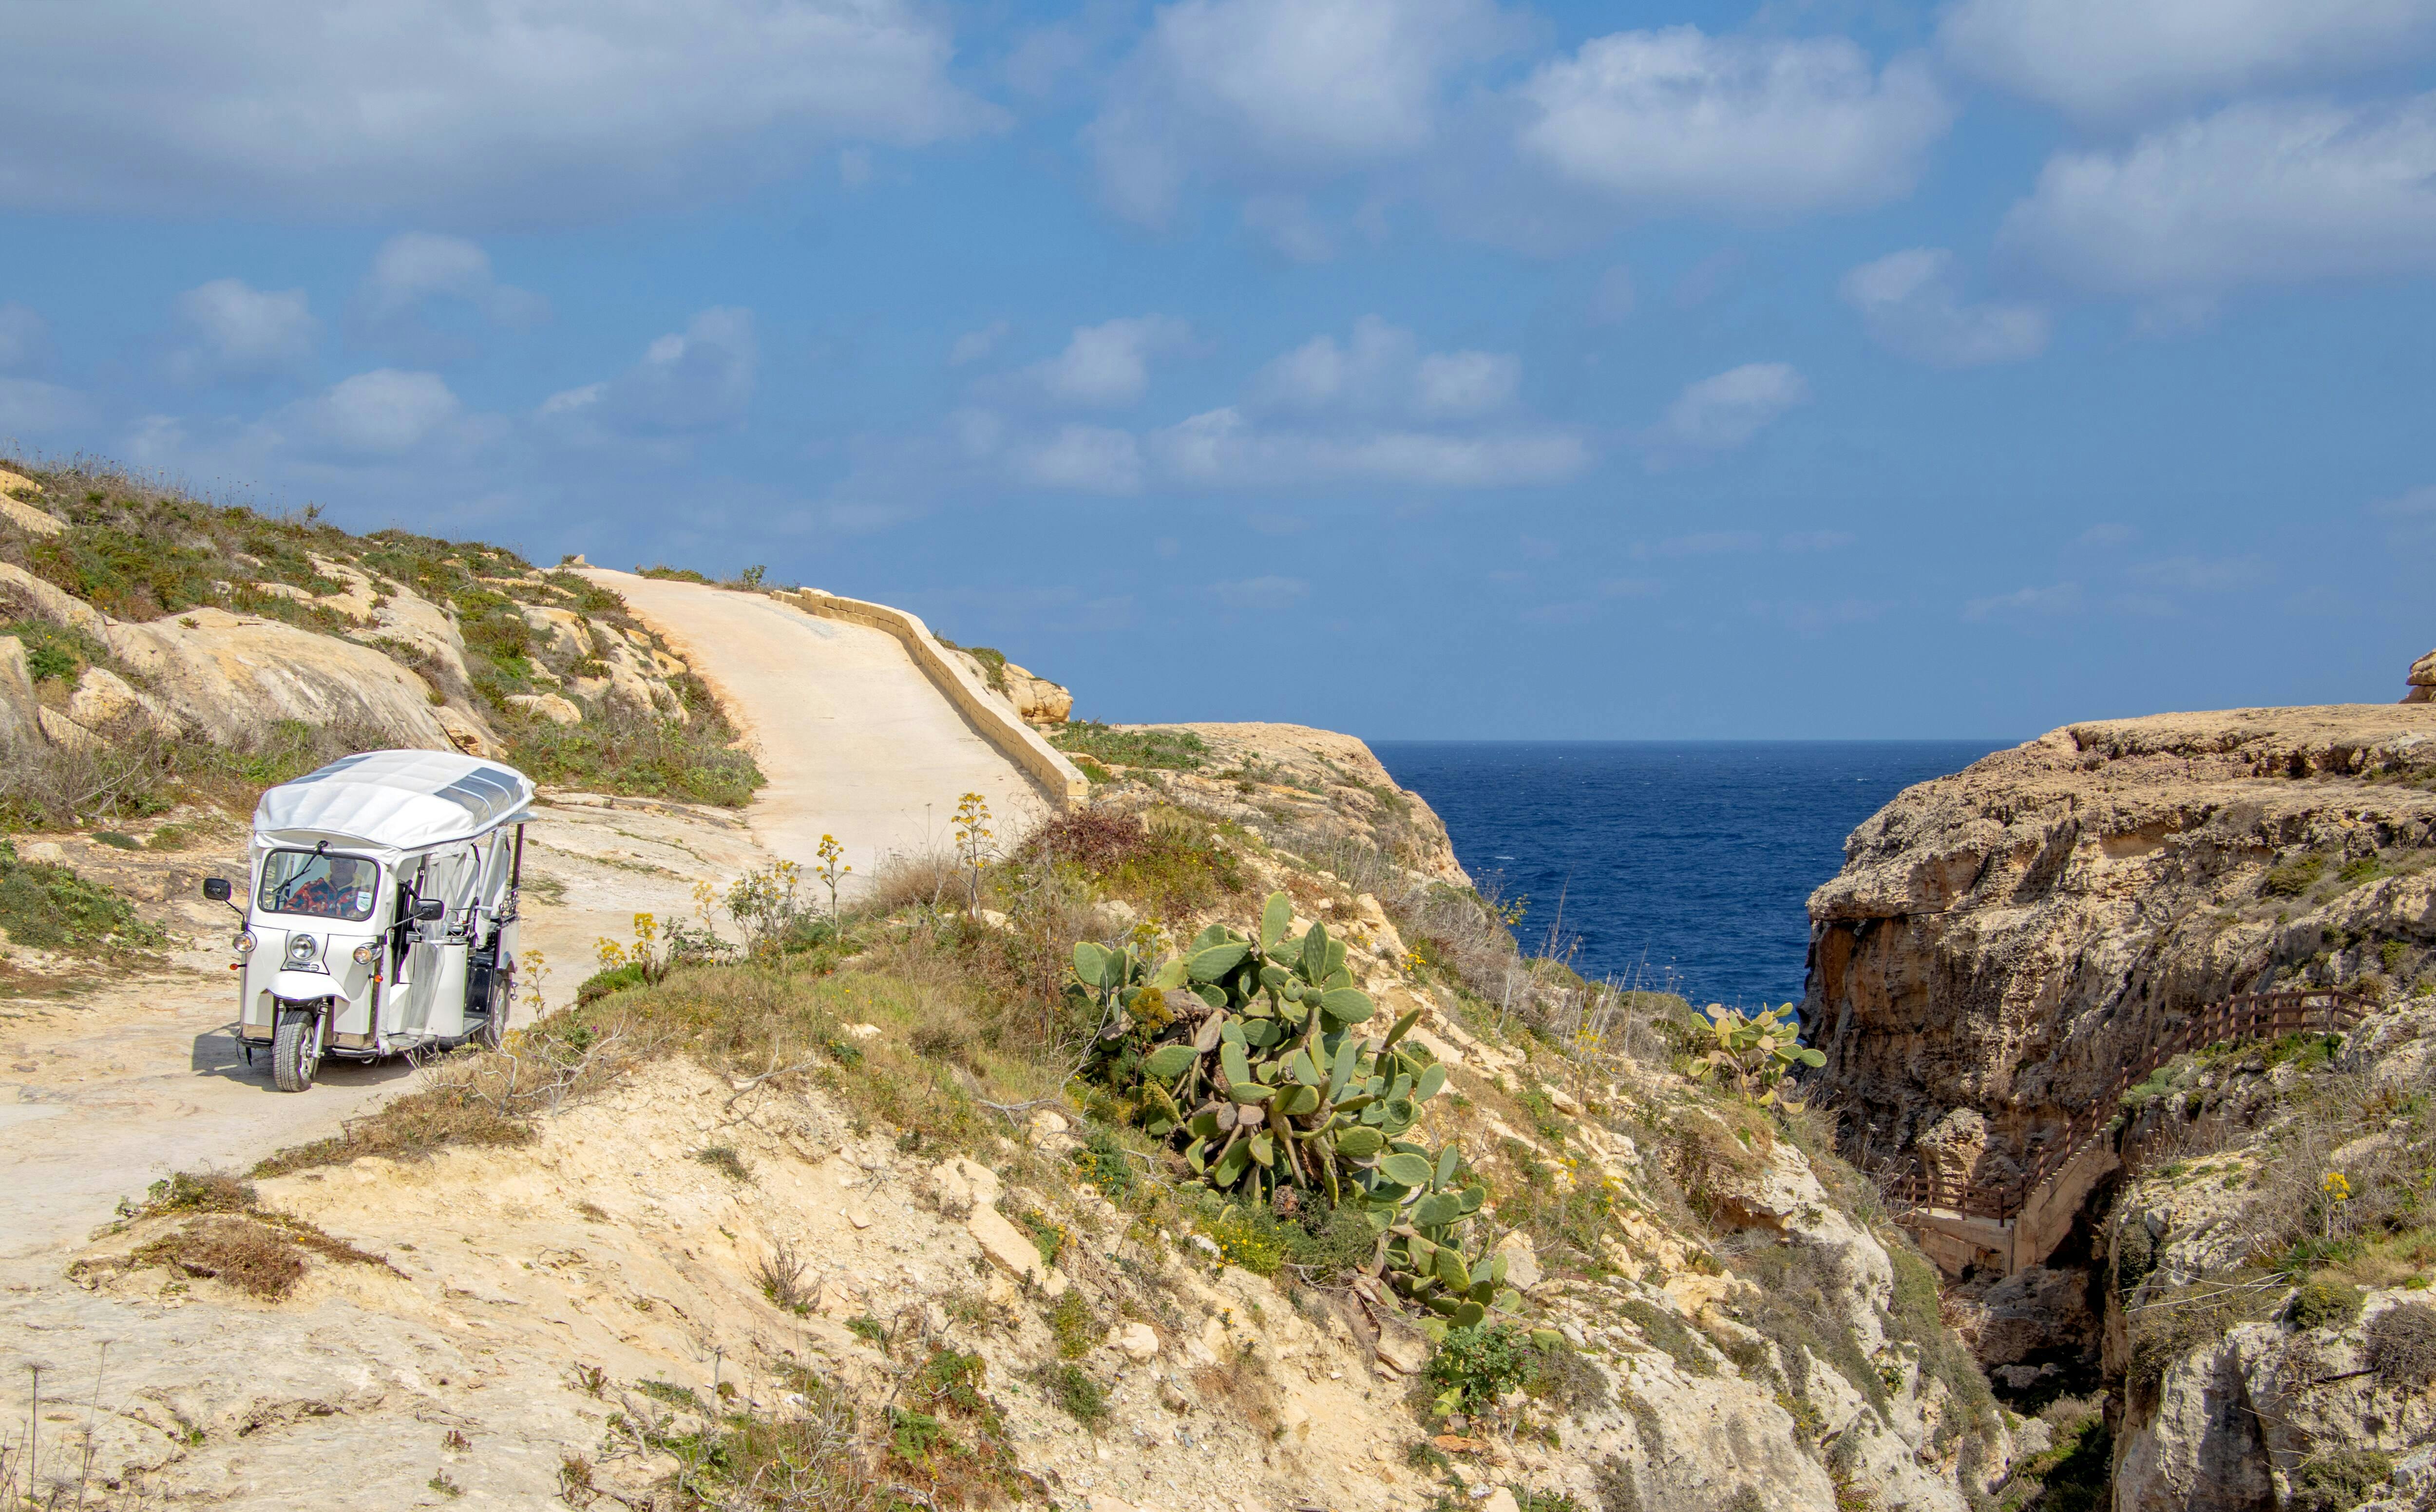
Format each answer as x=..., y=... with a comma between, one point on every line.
x=224, y=1234
x=476, y=1098
x=2402, y=1346
x=915, y=880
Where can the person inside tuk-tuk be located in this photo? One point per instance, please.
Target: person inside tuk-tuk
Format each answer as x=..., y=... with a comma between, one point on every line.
x=343, y=892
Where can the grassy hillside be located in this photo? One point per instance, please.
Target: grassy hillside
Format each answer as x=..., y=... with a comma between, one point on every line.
x=138, y=550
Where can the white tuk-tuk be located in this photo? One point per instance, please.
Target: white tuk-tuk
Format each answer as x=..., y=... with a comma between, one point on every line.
x=382, y=916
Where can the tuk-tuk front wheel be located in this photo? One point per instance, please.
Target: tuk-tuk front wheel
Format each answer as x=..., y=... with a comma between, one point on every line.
x=296, y=1048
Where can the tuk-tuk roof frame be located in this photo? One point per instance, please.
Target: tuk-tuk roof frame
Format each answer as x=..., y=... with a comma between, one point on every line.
x=394, y=803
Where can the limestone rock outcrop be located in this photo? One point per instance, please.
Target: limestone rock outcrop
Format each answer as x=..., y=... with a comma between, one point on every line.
x=232, y=677
x=2421, y=680
x=2001, y=940
x=1034, y=698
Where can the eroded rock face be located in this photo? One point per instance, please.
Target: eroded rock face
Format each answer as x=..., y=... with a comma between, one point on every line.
x=2003, y=939
x=2237, y=1424
x=232, y=677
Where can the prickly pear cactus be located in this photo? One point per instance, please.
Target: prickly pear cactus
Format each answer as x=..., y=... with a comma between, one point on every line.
x=1255, y=1056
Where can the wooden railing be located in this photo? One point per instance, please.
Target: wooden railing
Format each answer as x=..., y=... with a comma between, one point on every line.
x=2246, y=1017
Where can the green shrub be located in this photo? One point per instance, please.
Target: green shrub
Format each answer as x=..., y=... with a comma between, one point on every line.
x=1171, y=750
x=2302, y=1051
x=51, y=907
x=621, y=750
x=1670, y=1334
x=2339, y=1481
x=1071, y=1388
x=1106, y=1164
x=56, y=653
x=2293, y=878
x=1475, y=1365
x=2323, y=1303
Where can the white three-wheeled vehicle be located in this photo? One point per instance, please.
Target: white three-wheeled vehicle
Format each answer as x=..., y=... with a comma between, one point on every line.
x=382, y=916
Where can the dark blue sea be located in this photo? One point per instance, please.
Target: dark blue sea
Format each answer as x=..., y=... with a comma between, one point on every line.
x=1677, y=865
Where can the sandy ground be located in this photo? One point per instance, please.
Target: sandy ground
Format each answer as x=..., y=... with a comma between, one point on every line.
x=856, y=740
x=104, y=1091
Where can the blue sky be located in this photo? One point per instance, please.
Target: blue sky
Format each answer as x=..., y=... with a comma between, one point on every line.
x=1437, y=368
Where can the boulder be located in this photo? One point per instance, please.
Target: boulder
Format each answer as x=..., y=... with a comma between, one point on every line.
x=1137, y=1342
x=18, y=720
x=2421, y=680
x=1522, y=1260
x=464, y=733
x=233, y=677
x=32, y=597
x=559, y=629
x=546, y=705
x=1013, y=1248
x=104, y=702
x=1036, y=699
x=15, y=490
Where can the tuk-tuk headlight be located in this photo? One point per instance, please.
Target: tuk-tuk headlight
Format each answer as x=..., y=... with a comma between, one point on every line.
x=301, y=948
x=243, y=944
x=364, y=954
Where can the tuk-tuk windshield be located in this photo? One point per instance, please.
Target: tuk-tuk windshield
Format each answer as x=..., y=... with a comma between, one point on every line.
x=318, y=885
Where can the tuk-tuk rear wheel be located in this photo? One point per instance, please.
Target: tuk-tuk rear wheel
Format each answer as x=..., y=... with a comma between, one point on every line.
x=493, y=1026
x=296, y=1048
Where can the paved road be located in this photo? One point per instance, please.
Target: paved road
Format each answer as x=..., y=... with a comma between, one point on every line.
x=857, y=742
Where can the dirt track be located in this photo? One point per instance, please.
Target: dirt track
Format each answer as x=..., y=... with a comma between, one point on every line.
x=856, y=740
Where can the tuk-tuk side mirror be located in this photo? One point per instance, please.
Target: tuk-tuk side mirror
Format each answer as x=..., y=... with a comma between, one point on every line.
x=217, y=889
x=429, y=910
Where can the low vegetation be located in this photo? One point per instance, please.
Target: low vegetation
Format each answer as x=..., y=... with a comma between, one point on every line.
x=138, y=550
x=966, y=990
x=1148, y=747
x=45, y=907
x=216, y=1228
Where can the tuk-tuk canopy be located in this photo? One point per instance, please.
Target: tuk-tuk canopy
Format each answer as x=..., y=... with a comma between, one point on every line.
x=395, y=800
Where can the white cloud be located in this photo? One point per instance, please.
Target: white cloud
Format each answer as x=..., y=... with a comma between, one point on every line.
x=1711, y=543
x=687, y=383
x=509, y=111
x=2106, y=535
x=1380, y=369
x=975, y=346
x=417, y=267
x=2201, y=574
x=2405, y=505
x=1811, y=620
x=1285, y=221
x=1726, y=411
x=1261, y=593
x=1462, y=384
x=1223, y=448
x=382, y=413
x=1372, y=408
x=233, y=331
x=1279, y=92
x=2104, y=60
x=30, y=408
x=1091, y=458
x=24, y=338
x=1750, y=126
x=1912, y=304
x=2282, y=192
x=1107, y=366
x=2054, y=599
